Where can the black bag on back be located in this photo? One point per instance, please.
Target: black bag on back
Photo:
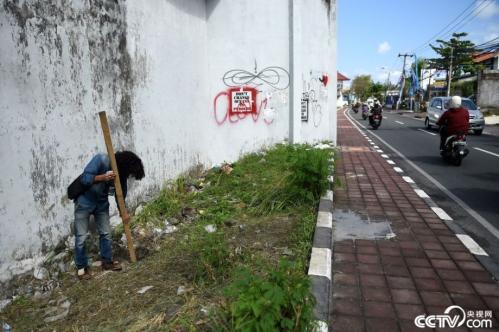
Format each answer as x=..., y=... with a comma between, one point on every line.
x=76, y=188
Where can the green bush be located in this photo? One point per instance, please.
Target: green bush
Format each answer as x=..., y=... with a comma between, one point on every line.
x=302, y=180
x=280, y=300
x=309, y=171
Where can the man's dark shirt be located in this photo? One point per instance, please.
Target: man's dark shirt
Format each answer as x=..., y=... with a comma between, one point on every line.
x=456, y=120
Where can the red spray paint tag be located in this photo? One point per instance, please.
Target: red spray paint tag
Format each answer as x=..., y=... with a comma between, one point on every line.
x=324, y=79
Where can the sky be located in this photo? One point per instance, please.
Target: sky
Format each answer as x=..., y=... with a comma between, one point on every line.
x=371, y=33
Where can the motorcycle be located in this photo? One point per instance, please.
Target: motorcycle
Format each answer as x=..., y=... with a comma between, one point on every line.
x=375, y=120
x=455, y=149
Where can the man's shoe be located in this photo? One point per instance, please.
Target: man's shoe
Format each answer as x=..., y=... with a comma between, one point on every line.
x=112, y=266
x=84, y=273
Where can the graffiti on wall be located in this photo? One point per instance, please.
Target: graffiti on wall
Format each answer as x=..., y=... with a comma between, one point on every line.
x=314, y=97
x=243, y=96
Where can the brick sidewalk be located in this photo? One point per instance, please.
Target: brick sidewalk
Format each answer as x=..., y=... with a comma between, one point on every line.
x=382, y=285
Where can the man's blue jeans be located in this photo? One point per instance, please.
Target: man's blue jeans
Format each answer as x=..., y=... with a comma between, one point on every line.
x=82, y=217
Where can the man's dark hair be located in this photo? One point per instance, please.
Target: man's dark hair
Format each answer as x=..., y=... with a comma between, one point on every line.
x=129, y=164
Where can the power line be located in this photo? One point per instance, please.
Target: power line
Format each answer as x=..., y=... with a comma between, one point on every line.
x=484, y=4
x=445, y=27
x=488, y=46
x=471, y=18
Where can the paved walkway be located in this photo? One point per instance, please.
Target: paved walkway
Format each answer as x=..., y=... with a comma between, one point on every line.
x=382, y=285
x=491, y=130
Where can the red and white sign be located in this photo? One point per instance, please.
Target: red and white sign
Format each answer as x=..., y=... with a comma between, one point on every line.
x=242, y=100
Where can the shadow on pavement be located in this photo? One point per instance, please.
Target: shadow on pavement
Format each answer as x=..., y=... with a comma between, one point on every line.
x=431, y=160
x=477, y=195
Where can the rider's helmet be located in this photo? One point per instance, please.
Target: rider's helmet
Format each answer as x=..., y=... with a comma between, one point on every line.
x=455, y=102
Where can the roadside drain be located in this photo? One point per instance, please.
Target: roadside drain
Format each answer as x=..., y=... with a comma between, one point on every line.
x=349, y=225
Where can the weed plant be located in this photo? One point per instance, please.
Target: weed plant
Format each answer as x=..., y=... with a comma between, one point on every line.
x=278, y=300
x=209, y=254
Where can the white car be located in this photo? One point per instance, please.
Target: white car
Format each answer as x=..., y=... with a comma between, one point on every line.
x=438, y=105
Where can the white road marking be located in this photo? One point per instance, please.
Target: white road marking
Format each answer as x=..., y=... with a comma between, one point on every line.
x=398, y=170
x=421, y=193
x=426, y=131
x=487, y=225
x=441, y=213
x=385, y=117
x=472, y=246
x=379, y=150
x=391, y=162
x=408, y=179
x=399, y=122
x=376, y=147
x=384, y=156
x=325, y=219
x=320, y=263
x=491, y=153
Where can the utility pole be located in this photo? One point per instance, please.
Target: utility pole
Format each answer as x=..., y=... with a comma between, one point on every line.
x=449, y=74
x=387, y=85
x=403, y=79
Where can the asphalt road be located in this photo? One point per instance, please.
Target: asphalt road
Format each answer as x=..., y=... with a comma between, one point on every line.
x=475, y=182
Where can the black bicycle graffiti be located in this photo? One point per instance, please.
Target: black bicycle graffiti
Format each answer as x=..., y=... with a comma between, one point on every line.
x=274, y=76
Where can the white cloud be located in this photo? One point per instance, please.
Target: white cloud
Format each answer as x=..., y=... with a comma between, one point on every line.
x=490, y=36
x=491, y=33
x=383, y=47
x=485, y=9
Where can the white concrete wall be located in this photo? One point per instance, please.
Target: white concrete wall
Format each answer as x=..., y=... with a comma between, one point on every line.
x=167, y=43
x=316, y=50
x=247, y=36
x=156, y=67
x=488, y=90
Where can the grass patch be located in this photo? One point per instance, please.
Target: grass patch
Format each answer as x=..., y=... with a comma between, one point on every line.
x=248, y=273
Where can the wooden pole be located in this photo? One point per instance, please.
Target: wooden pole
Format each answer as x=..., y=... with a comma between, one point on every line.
x=117, y=185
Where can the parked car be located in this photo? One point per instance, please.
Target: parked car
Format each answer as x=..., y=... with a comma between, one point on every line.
x=438, y=105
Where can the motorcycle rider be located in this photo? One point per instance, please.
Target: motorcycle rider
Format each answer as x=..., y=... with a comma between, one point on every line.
x=365, y=110
x=456, y=120
x=377, y=109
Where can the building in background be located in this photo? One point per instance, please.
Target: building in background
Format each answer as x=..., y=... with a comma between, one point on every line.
x=342, y=99
x=487, y=86
x=434, y=82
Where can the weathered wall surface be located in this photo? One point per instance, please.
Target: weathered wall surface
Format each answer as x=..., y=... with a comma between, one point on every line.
x=167, y=46
x=162, y=70
x=488, y=90
x=60, y=63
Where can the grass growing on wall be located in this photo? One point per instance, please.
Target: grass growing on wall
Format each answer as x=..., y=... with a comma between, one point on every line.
x=248, y=274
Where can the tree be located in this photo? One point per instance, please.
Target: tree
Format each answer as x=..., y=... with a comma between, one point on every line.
x=377, y=90
x=361, y=85
x=422, y=64
x=462, y=51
